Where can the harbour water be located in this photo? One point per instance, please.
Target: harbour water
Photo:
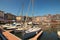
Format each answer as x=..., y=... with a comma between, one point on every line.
x=48, y=36
x=49, y=33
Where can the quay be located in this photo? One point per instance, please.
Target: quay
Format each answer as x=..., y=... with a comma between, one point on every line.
x=8, y=35
x=11, y=36
x=36, y=36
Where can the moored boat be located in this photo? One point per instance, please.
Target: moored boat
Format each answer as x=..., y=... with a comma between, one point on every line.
x=58, y=33
x=30, y=32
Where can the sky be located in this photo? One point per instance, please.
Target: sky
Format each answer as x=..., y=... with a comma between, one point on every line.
x=40, y=7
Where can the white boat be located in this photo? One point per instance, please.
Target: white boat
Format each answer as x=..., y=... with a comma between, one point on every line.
x=6, y=25
x=29, y=23
x=11, y=27
x=31, y=32
x=58, y=33
x=18, y=30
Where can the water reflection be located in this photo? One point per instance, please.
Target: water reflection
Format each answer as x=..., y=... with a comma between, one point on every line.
x=48, y=36
x=50, y=33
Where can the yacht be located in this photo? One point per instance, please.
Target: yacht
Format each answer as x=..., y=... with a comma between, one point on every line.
x=30, y=32
x=9, y=26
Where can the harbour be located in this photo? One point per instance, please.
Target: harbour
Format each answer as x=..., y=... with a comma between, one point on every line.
x=49, y=32
x=29, y=20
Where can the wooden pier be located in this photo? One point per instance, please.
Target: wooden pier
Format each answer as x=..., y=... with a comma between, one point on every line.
x=11, y=36
x=36, y=36
x=8, y=35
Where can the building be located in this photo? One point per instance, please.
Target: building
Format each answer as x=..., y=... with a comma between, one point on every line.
x=36, y=19
x=40, y=19
x=43, y=18
x=55, y=19
x=27, y=18
x=18, y=18
x=23, y=19
x=1, y=16
x=8, y=17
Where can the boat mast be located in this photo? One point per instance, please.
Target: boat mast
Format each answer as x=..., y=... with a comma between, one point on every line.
x=32, y=11
x=28, y=11
x=22, y=10
x=32, y=8
x=21, y=14
x=27, y=14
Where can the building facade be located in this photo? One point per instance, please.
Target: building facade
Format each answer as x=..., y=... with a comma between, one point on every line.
x=18, y=18
x=8, y=17
x=1, y=16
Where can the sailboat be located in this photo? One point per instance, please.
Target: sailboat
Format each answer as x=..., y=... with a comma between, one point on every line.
x=28, y=33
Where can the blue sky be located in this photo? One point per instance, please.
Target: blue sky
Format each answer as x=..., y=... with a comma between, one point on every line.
x=41, y=7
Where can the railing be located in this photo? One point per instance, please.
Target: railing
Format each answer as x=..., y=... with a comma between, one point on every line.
x=2, y=37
